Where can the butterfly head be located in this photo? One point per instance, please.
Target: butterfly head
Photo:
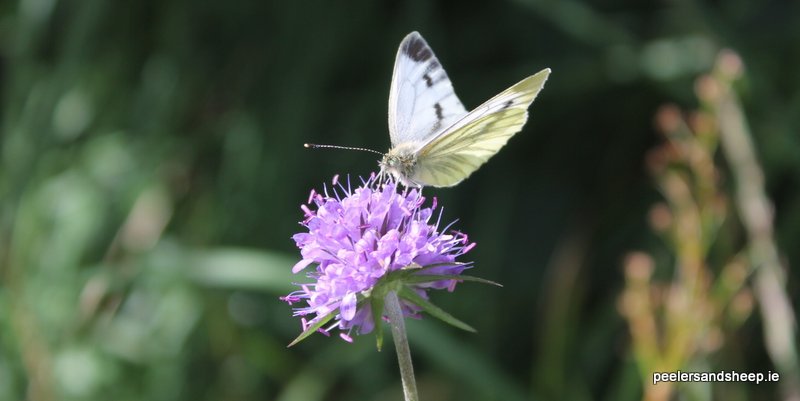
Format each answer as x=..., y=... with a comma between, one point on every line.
x=400, y=163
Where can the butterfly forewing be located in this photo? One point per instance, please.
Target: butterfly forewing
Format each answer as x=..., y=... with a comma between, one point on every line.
x=422, y=101
x=451, y=156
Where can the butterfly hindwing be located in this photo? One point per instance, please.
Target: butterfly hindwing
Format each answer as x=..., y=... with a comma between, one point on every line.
x=457, y=152
x=422, y=101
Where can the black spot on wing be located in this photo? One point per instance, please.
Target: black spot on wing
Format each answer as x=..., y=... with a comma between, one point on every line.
x=437, y=108
x=439, y=112
x=417, y=49
x=428, y=80
x=507, y=104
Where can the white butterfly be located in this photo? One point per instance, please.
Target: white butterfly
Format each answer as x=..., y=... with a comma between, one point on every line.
x=435, y=141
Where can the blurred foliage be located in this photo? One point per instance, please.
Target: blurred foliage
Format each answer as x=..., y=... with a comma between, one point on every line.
x=678, y=325
x=152, y=169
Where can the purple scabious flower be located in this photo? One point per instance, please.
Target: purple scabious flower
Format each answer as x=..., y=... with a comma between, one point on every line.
x=363, y=241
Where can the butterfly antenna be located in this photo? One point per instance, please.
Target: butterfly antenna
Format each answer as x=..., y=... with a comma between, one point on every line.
x=317, y=146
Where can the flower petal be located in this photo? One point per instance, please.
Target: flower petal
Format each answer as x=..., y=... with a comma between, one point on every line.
x=348, y=307
x=301, y=265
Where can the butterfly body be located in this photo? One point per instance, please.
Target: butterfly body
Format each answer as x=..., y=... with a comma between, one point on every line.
x=401, y=162
x=435, y=141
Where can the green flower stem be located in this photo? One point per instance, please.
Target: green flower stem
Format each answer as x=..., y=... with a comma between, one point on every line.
x=395, y=314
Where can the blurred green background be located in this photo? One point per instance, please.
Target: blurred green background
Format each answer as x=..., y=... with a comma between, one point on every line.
x=153, y=168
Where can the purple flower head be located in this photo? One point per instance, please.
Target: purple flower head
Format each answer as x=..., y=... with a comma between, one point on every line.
x=364, y=242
